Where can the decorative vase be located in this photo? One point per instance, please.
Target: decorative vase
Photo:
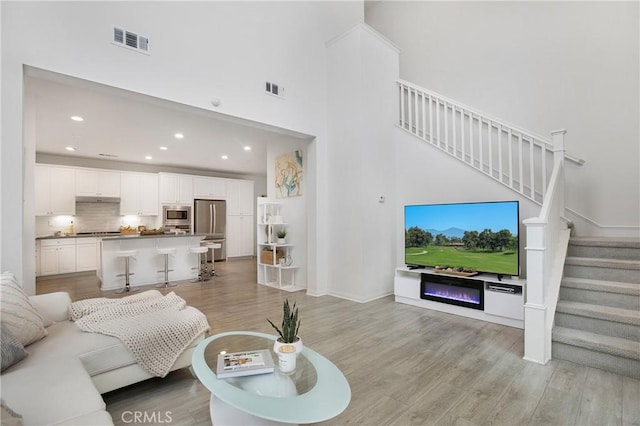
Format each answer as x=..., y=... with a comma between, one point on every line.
x=297, y=344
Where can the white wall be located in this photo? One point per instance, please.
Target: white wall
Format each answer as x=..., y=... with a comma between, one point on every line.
x=362, y=68
x=199, y=50
x=542, y=66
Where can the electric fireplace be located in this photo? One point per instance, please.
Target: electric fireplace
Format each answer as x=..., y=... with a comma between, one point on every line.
x=452, y=290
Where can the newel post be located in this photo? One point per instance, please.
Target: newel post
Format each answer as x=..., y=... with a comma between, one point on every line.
x=558, y=157
x=535, y=309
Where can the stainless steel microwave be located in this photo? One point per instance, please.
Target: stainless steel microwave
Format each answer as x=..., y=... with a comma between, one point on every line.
x=176, y=215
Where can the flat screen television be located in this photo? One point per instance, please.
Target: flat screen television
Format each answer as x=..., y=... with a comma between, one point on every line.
x=482, y=237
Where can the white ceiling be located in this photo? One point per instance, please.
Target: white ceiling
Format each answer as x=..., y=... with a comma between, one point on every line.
x=130, y=126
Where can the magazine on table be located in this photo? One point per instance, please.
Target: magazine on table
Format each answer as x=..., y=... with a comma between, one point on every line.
x=244, y=363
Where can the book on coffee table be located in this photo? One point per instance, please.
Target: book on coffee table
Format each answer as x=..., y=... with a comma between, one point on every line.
x=244, y=363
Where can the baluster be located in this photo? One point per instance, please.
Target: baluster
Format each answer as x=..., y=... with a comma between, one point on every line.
x=471, y=159
x=402, y=118
x=446, y=126
x=532, y=170
x=480, y=147
x=453, y=130
x=500, y=152
x=409, y=109
x=543, y=165
x=521, y=162
x=438, y=121
x=416, y=114
x=430, y=119
x=490, y=148
x=424, y=119
x=509, y=144
x=462, y=141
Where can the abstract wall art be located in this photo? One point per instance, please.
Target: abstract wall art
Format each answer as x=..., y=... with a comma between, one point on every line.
x=289, y=175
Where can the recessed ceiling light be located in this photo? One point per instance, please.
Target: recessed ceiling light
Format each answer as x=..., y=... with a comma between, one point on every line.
x=224, y=157
x=163, y=148
x=178, y=136
x=70, y=148
x=148, y=157
x=247, y=148
x=77, y=118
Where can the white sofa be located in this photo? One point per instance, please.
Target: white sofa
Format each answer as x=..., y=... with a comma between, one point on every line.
x=61, y=379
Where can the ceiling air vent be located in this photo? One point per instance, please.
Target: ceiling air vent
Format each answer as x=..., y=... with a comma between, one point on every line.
x=130, y=40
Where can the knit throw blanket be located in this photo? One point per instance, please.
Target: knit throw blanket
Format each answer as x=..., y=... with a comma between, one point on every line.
x=155, y=328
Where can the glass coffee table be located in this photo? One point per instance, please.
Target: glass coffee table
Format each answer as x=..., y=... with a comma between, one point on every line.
x=316, y=391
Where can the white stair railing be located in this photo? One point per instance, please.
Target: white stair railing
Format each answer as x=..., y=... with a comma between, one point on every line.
x=547, y=242
x=514, y=157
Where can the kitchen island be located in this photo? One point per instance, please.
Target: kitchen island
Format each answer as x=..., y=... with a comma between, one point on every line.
x=147, y=266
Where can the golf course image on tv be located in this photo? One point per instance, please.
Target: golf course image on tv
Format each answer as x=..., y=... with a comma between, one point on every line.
x=477, y=236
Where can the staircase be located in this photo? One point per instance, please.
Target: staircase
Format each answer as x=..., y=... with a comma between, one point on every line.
x=597, y=320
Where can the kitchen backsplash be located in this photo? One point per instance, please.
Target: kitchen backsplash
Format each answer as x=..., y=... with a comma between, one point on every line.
x=92, y=217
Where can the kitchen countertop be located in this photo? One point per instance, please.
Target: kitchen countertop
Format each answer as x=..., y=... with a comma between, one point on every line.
x=120, y=236
x=131, y=236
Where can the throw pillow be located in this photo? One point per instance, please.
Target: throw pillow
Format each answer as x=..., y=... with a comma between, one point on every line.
x=12, y=351
x=8, y=416
x=18, y=314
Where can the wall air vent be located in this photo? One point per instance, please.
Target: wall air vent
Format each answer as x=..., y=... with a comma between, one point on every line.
x=274, y=89
x=130, y=40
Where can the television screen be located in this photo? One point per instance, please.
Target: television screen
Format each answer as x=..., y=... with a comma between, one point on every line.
x=472, y=236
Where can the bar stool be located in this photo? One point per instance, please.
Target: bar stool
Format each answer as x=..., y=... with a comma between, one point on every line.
x=213, y=247
x=126, y=254
x=201, y=251
x=166, y=251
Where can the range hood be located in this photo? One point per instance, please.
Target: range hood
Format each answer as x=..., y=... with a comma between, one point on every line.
x=97, y=199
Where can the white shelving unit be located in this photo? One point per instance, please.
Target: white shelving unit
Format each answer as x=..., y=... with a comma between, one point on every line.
x=271, y=270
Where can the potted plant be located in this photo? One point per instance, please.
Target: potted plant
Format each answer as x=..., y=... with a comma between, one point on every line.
x=288, y=331
x=282, y=233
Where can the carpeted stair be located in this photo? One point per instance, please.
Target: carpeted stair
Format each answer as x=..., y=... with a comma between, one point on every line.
x=597, y=320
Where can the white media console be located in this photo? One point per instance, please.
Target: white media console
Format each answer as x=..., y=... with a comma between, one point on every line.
x=503, y=299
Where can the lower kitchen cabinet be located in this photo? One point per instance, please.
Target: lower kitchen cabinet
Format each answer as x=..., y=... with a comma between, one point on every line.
x=86, y=254
x=57, y=256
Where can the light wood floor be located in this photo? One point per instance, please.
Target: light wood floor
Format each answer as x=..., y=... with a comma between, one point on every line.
x=405, y=365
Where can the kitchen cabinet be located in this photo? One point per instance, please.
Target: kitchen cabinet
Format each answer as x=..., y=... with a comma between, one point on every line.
x=176, y=189
x=54, y=189
x=240, y=197
x=57, y=256
x=139, y=194
x=86, y=254
x=97, y=183
x=209, y=188
x=240, y=232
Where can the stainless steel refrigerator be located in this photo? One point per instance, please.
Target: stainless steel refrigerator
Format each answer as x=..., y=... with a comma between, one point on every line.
x=210, y=217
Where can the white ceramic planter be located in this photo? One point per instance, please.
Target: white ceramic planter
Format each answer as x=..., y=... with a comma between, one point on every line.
x=297, y=344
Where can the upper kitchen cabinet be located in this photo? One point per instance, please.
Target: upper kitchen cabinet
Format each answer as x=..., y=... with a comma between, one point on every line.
x=139, y=194
x=55, y=190
x=209, y=188
x=240, y=197
x=176, y=189
x=97, y=183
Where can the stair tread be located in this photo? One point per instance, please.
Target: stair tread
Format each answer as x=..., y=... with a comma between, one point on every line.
x=626, y=316
x=605, y=242
x=597, y=342
x=632, y=289
x=603, y=262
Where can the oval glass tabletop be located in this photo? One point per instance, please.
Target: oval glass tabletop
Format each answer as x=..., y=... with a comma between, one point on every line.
x=316, y=391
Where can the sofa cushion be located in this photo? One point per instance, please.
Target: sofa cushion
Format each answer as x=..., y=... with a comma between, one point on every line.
x=50, y=393
x=18, y=314
x=12, y=350
x=97, y=352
